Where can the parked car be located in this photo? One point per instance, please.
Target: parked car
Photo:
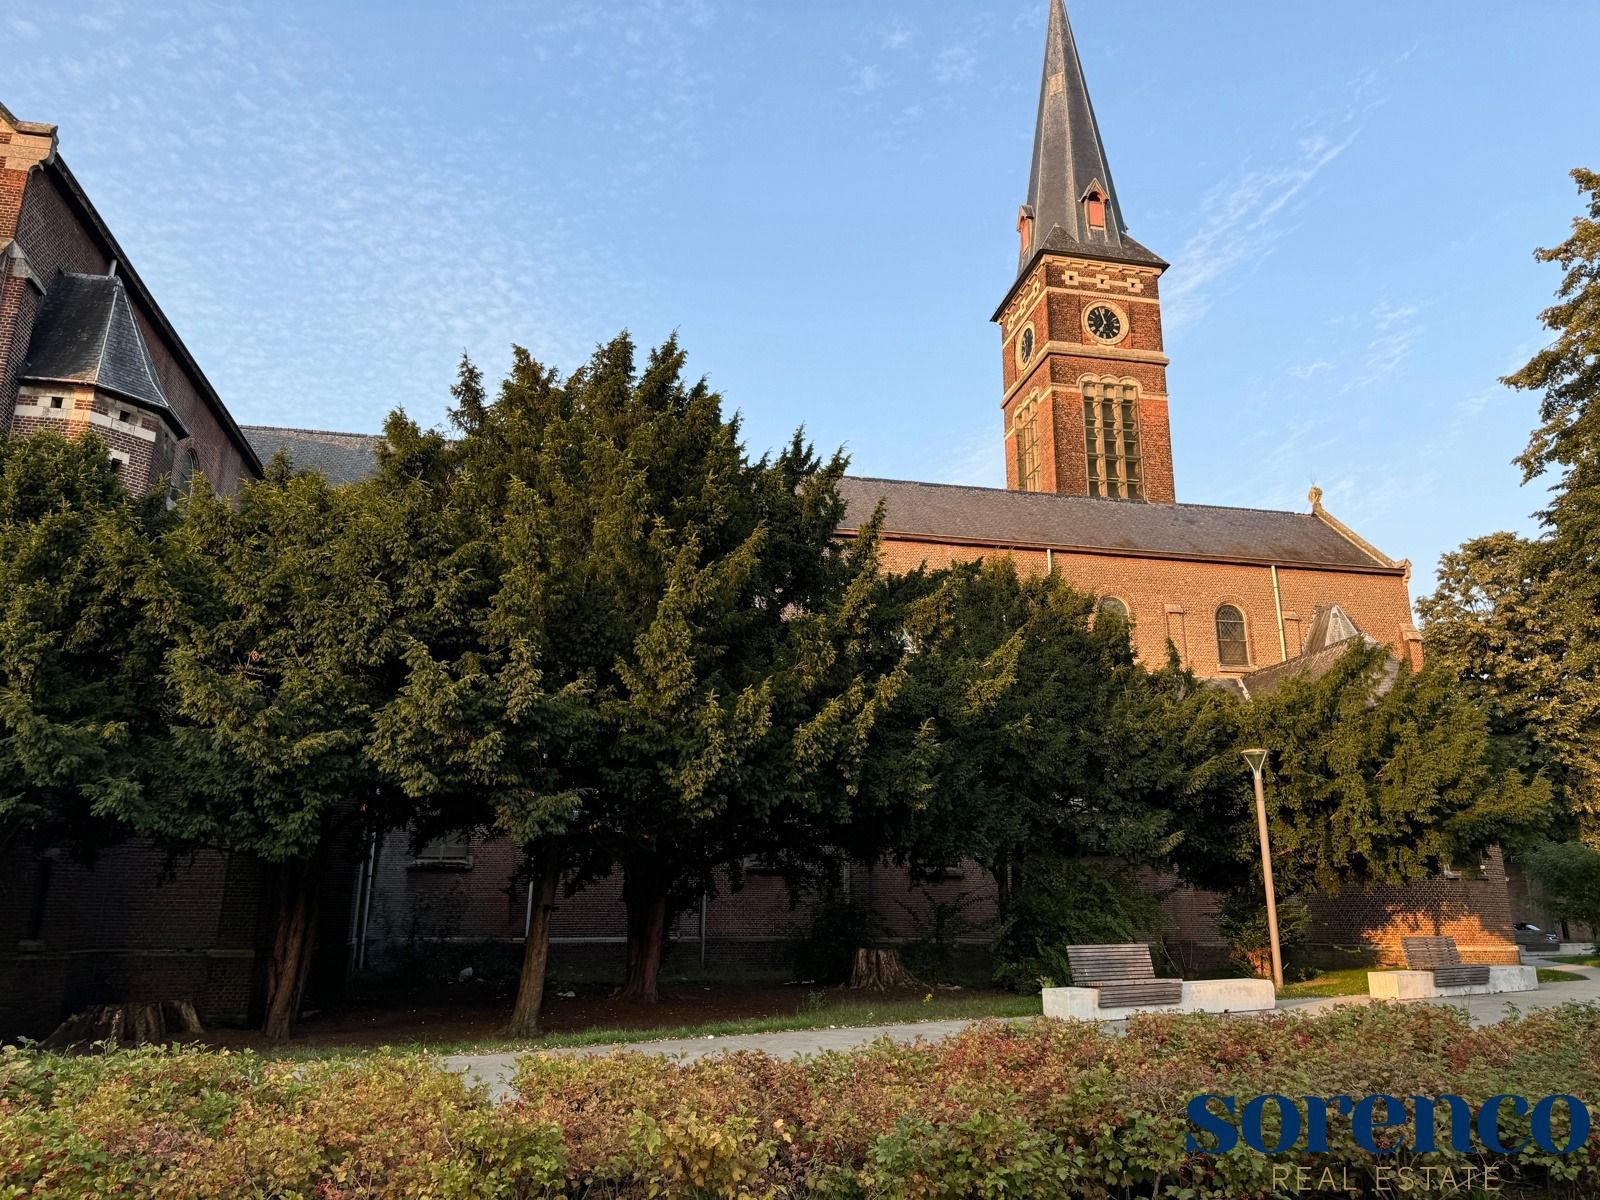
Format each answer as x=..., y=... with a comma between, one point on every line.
x=1531, y=937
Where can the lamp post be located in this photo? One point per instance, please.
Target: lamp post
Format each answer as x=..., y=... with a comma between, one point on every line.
x=1257, y=760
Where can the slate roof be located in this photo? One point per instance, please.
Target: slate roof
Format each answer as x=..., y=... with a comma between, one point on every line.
x=980, y=516
x=999, y=517
x=86, y=333
x=339, y=457
x=1068, y=159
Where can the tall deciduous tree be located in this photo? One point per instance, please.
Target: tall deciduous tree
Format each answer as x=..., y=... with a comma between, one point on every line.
x=1567, y=442
x=81, y=643
x=285, y=648
x=1490, y=623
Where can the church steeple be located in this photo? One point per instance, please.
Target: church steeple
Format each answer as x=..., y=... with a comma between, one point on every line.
x=1072, y=205
x=1085, y=401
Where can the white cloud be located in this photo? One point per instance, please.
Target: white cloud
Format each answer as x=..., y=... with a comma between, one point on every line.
x=22, y=27
x=865, y=80
x=898, y=35
x=954, y=64
x=1310, y=370
x=1239, y=218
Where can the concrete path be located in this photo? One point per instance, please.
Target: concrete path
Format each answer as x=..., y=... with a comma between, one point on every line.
x=496, y=1070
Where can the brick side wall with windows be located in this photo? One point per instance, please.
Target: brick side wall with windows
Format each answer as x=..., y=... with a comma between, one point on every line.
x=1176, y=600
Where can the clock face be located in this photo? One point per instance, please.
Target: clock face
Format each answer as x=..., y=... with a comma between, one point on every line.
x=1104, y=323
x=1027, y=344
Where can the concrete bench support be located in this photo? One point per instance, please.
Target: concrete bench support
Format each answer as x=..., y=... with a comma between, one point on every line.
x=1199, y=995
x=1418, y=985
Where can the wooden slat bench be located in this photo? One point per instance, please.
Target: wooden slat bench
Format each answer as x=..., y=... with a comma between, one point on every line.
x=1439, y=955
x=1123, y=975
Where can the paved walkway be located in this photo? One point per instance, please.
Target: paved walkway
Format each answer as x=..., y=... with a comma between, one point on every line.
x=496, y=1070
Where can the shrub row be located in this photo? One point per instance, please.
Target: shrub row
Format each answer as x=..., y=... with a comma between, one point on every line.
x=1045, y=1109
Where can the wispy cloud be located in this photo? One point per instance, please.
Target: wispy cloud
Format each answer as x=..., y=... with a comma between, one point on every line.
x=954, y=64
x=1396, y=331
x=1239, y=220
x=900, y=34
x=22, y=27
x=1310, y=370
x=865, y=79
x=327, y=252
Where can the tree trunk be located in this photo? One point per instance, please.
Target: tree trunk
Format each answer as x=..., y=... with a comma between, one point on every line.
x=881, y=971
x=536, y=945
x=644, y=892
x=293, y=940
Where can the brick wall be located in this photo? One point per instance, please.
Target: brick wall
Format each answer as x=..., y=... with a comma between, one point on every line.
x=1178, y=600
x=130, y=926
x=1051, y=304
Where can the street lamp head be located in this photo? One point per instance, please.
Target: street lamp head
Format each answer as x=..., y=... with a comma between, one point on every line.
x=1257, y=759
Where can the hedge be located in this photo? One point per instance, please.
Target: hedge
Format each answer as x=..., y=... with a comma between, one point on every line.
x=1041, y=1109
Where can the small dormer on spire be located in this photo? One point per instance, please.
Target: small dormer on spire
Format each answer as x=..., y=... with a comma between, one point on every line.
x=1072, y=203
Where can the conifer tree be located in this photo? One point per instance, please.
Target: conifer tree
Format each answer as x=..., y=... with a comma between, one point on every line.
x=647, y=658
x=82, y=597
x=285, y=646
x=1384, y=775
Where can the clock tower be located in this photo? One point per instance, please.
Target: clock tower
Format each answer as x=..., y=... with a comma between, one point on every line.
x=1085, y=400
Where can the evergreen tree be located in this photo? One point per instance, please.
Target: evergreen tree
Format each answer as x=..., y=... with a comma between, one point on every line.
x=1026, y=737
x=284, y=649
x=81, y=642
x=646, y=658
x=1384, y=775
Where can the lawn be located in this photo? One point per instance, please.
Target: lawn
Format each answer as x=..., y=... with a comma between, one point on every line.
x=819, y=1009
x=1351, y=981
x=1577, y=960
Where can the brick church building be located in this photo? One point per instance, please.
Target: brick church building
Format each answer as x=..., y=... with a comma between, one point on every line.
x=1246, y=596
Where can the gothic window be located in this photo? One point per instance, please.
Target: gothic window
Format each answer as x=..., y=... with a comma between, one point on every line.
x=1111, y=606
x=1111, y=439
x=1233, y=647
x=1028, y=450
x=187, y=466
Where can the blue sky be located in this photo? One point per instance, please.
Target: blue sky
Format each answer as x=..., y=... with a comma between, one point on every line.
x=331, y=201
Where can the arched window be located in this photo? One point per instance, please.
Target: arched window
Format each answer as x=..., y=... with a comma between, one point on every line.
x=187, y=465
x=1113, y=607
x=1233, y=647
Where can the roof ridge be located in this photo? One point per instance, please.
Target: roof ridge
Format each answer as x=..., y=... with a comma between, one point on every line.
x=312, y=432
x=1059, y=496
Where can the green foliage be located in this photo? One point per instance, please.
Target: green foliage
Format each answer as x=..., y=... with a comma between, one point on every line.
x=1567, y=875
x=1491, y=626
x=81, y=642
x=283, y=645
x=1244, y=924
x=1063, y=902
x=1380, y=779
x=638, y=639
x=1025, y=727
x=1042, y=1109
x=1567, y=442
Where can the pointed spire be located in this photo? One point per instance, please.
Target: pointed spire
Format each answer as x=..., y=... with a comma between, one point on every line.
x=1072, y=203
